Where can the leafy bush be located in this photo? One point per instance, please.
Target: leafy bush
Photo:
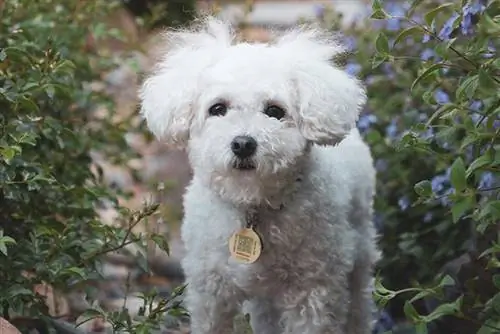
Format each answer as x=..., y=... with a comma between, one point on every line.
x=432, y=69
x=49, y=229
x=158, y=13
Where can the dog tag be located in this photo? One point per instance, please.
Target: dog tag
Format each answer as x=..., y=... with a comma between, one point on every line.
x=245, y=245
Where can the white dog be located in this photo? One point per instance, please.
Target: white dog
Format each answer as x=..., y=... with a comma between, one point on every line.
x=270, y=133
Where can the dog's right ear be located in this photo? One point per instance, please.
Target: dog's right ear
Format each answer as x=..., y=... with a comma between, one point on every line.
x=169, y=93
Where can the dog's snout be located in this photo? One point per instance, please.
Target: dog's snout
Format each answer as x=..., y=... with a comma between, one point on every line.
x=243, y=146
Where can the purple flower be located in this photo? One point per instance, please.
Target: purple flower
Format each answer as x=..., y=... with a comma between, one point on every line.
x=381, y=165
x=469, y=11
x=393, y=24
x=387, y=68
x=448, y=27
x=491, y=51
x=391, y=131
x=319, y=11
x=350, y=43
x=438, y=183
x=384, y=323
x=365, y=121
x=427, y=54
x=353, y=68
x=441, y=96
x=487, y=180
x=428, y=134
x=403, y=203
x=476, y=105
x=378, y=221
x=426, y=38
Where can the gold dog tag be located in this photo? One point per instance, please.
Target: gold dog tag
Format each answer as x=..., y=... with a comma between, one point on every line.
x=245, y=245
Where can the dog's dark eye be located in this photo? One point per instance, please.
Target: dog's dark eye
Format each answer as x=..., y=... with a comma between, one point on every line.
x=218, y=109
x=274, y=111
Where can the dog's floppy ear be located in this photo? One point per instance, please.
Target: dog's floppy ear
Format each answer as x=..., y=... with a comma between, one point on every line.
x=328, y=99
x=169, y=93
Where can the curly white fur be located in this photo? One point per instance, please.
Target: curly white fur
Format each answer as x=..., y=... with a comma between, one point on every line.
x=313, y=182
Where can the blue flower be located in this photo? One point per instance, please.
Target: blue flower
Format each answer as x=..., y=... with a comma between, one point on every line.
x=387, y=68
x=447, y=30
x=365, y=121
x=381, y=165
x=441, y=96
x=403, y=203
x=427, y=54
x=319, y=11
x=426, y=38
x=353, y=68
x=439, y=182
x=383, y=324
x=428, y=133
x=469, y=11
x=391, y=131
x=378, y=221
x=350, y=43
x=393, y=24
x=428, y=217
x=491, y=51
x=476, y=105
x=487, y=180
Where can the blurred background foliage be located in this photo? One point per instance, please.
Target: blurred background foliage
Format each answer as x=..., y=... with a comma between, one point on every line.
x=432, y=120
x=432, y=71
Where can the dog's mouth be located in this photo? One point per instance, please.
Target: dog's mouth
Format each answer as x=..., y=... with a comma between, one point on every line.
x=244, y=164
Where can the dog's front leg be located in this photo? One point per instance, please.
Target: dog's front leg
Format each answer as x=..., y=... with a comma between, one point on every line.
x=318, y=311
x=212, y=303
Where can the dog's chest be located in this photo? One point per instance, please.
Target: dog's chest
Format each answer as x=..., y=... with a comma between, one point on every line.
x=285, y=241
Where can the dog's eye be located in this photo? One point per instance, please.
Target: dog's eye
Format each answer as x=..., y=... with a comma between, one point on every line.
x=274, y=111
x=218, y=109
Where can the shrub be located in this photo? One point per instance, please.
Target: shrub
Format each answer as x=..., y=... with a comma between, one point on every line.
x=49, y=229
x=432, y=70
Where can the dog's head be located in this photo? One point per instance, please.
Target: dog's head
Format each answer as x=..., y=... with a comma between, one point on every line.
x=248, y=113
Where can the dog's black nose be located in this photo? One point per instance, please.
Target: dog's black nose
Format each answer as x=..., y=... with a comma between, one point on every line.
x=243, y=146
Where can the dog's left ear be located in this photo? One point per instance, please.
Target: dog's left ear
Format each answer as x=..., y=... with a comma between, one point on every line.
x=168, y=95
x=328, y=99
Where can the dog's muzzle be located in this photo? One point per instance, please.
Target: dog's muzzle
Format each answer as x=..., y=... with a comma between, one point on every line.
x=243, y=148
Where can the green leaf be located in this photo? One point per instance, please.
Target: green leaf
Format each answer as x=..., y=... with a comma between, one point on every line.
x=161, y=242
x=444, y=309
x=379, y=15
x=427, y=73
x=441, y=110
x=429, y=16
x=411, y=31
x=423, y=188
x=410, y=312
x=8, y=153
x=496, y=281
x=491, y=208
x=4, y=241
x=378, y=60
x=486, y=82
x=75, y=270
x=458, y=177
x=481, y=161
x=447, y=280
x=414, y=6
x=421, y=328
x=461, y=206
x=378, y=11
x=382, y=44
x=468, y=87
